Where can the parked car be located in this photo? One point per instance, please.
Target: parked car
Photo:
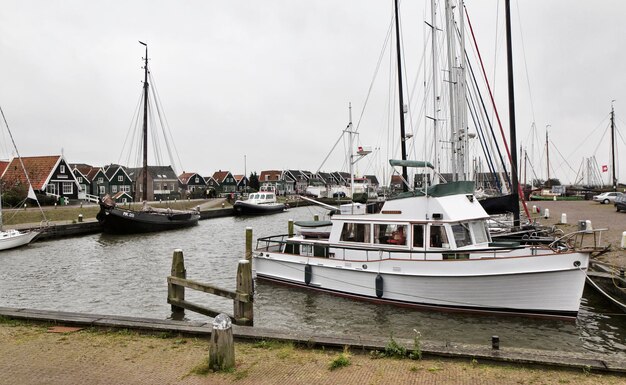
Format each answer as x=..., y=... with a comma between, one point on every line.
x=607, y=197
x=620, y=203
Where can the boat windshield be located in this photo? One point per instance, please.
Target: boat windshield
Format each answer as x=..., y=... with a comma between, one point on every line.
x=461, y=234
x=355, y=232
x=479, y=228
x=438, y=237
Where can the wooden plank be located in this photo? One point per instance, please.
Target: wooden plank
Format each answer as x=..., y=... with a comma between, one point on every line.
x=193, y=307
x=210, y=289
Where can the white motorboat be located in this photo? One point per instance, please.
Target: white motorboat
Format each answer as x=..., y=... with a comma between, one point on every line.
x=444, y=259
x=261, y=203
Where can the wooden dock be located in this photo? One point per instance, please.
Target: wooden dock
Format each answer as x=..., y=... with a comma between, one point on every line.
x=582, y=361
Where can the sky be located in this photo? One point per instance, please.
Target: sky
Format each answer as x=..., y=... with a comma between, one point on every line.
x=257, y=85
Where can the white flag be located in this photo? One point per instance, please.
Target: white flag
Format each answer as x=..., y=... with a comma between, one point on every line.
x=31, y=193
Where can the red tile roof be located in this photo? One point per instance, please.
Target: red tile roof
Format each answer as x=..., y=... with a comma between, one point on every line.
x=184, y=177
x=219, y=176
x=3, y=166
x=273, y=175
x=39, y=169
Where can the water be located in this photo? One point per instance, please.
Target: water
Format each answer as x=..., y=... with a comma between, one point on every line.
x=126, y=275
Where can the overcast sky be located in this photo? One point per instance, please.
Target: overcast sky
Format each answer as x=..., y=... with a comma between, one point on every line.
x=271, y=80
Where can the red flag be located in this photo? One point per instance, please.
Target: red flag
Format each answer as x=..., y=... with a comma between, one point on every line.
x=605, y=168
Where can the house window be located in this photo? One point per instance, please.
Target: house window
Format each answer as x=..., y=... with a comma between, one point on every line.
x=80, y=179
x=102, y=190
x=120, y=178
x=197, y=180
x=125, y=188
x=114, y=189
x=62, y=169
x=68, y=187
x=100, y=180
x=51, y=188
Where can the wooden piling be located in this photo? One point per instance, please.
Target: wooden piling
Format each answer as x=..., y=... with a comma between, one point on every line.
x=290, y=227
x=177, y=292
x=222, y=346
x=249, y=243
x=243, y=311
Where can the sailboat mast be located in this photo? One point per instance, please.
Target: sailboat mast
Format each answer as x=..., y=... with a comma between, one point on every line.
x=433, y=17
x=614, y=179
x=405, y=174
x=145, y=127
x=547, y=158
x=513, y=146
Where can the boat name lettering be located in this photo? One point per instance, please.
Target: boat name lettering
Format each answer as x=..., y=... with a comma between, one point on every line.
x=130, y=215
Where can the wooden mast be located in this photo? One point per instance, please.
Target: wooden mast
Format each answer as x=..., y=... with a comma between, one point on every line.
x=405, y=175
x=144, y=196
x=513, y=146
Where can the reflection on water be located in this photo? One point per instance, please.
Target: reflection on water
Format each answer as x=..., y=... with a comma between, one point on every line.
x=126, y=275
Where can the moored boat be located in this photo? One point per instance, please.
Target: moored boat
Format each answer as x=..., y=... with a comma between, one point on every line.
x=261, y=203
x=124, y=221
x=10, y=239
x=443, y=259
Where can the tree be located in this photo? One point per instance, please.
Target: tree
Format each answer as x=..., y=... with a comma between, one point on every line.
x=254, y=181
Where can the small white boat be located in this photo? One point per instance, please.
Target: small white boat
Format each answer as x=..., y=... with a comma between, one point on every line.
x=261, y=203
x=443, y=259
x=10, y=239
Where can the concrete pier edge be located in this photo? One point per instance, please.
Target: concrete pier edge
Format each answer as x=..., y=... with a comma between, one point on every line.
x=569, y=360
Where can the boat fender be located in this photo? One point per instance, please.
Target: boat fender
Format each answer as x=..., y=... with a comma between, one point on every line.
x=379, y=286
x=308, y=273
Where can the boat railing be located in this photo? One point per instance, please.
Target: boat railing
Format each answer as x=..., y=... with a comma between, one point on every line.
x=588, y=240
x=282, y=243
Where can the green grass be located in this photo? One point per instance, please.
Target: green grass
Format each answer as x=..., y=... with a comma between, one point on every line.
x=341, y=360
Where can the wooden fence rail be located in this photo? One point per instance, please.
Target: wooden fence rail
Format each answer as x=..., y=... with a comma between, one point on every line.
x=242, y=297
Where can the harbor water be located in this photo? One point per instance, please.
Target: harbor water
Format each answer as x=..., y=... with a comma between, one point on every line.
x=126, y=275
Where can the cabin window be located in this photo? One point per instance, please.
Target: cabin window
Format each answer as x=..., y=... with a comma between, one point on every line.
x=479, y=228
x=355, y=232
x=262, y=196
x=270, y=196
x=438, y=237
x=461, y=234
x=418, y=235
x=390, y=234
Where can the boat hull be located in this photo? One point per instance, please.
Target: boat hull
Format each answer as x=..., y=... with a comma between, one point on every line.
x=244, y=208
x=120, y=221
x=13, y=239
x=502, y=285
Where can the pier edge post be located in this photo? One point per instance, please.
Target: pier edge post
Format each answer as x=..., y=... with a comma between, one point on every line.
x=290, y=228
x=178, y=271
x=244, y=311
x=249, y=243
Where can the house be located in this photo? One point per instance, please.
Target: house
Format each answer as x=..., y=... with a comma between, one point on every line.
x=81, y=172
x=212, y=187
x=191, y=184
x=122, y=197
x=50, y=175
x=99, y=182
x=396, y=183
x=118, y=179
x=226, y=180
x=242, y=183
x=162, y=183
x=373, y=181
x=296, y=181
x=272, y=180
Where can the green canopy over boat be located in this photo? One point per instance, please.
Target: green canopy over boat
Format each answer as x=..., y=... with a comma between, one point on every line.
x=410, y=163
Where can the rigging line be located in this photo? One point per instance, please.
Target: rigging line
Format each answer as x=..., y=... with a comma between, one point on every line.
x=380, y=58
x=564, y=160
x=482, y=139
x=157, y=107
x=21, y=161
x=167, y=125
x=585, y=140
x=600, y=141
x=520, y=24
x=130, y=131
x=482, y=66
x=493, y=134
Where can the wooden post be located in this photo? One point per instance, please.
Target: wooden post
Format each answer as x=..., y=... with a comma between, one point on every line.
x=222, y=347
x=249, y=243
x=175, y=291
x=316, y=217
x=243, y=311
x=290, y=227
